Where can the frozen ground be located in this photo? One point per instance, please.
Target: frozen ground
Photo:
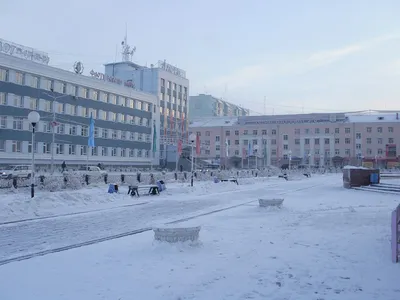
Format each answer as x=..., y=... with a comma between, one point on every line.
x=326, y=243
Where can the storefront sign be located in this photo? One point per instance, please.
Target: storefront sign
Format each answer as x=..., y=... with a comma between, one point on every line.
x=101, y=76
x=23, y=52
x=171, y=69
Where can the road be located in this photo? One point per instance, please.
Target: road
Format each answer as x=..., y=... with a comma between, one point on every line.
x=40, y=235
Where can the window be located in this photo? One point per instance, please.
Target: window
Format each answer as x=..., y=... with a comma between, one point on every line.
x=380, y=140
x=337, y=130
x=46, y=148
x=358, y=136
x=30, y=147
x=113, y=151
x=71, y=149
x=3, y=99
x=18, y=123
x=83, y=150
x=347, y=140
x=347, y=152
x=327, y=141
x=217, y=147
x=72, y=130
x=236, y=142
x=112, y=99
x=297, y=131
x=61, y=129
x=369, y=140
x=198, y=133
x=255, y=132
x=264, y=132
x=84, y=130
x=326, y=130
x=18, y=101
x=227, y=133
x=358, y=146
x=236, y=132
x=307, y=141
x=33, y=103
x=337, y=141
x=84, y=92
x=307, y=131
x=347, y=130
x=337, y=152
x=316, y=141
x=114, y=134
x=369, y=129
x=391, y=141
x=217, y=138
x=3, y=75
x=207, y=133
x=16, y=146
x=285, y=137
x=285, y=147
x=104, y=133
x=369, y=151
x=390, y=129
x=297, y=141
x=379, y=129
x=59, y=148
x=3, y=122
x=19, y=78
x=380, y=151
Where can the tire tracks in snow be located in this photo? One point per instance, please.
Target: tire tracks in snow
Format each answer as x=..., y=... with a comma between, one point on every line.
x=133, y=232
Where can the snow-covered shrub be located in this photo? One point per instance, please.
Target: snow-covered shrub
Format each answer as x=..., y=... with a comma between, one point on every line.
x=52, y=183
x=74, y=181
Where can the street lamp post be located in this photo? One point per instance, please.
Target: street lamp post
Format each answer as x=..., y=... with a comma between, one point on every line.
x=192, y=139
x=290, y=159
x=33, y=118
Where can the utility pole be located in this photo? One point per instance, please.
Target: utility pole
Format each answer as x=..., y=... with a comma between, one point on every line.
x=53, y=126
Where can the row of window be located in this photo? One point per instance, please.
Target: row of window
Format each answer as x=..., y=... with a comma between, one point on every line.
x=307, y=141
x=21, y=123
x=347, y=130
x=173, y=86
x=68, y=149
x=326, y=153
x=70, y=89
x=70, y=109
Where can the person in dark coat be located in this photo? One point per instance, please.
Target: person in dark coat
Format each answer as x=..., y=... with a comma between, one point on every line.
x=63, y=166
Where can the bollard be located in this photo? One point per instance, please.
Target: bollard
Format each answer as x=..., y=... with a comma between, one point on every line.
x=181, y=168
x=256, y=174
x=65, y=179
x=211, y=174
x=252, y=172
x=138, y=177
x=87, y=179
x=195, y=174
x=122, y=178
x=185, y=175
x=105, y=178
x=14, y=182
x=176, y=176
x=237, y=173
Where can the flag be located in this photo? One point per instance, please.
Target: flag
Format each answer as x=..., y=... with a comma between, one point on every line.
x=226, y=147
x=250, y=150
x=154, y=138
x=180, y=146
x=91, y=132
x=198, y=145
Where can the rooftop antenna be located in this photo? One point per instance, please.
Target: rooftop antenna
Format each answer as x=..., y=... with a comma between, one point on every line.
x=127, y=52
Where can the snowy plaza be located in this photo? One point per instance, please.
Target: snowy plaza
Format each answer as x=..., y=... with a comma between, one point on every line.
x=325, y=243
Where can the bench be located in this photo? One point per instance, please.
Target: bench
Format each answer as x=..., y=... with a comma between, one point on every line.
x=152, y=189
x=396, y=235
x=230, y=180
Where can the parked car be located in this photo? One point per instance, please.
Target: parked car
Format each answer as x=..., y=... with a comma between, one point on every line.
x=20, y=171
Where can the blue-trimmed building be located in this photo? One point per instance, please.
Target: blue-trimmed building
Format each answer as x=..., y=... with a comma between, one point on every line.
x=124, y=117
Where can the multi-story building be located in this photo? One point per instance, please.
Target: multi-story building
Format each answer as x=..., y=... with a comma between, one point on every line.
x=315, y=139
x=203, y=105
x=171, y=86
x=65, y=101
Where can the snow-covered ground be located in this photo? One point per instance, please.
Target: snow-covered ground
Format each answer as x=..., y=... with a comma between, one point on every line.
x=325, y=243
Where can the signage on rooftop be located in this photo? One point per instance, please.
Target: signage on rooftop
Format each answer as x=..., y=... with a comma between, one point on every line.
x=171, y=69
x=23, y=52
x=101, y=76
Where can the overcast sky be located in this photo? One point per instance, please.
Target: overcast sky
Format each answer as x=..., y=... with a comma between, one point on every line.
x=302, y=55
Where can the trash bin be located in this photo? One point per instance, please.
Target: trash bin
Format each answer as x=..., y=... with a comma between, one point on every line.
x=374, y=178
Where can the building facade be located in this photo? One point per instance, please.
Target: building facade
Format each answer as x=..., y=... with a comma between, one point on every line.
x=65, y=101
x=311, y=139
x=203, y=105
x=171, y=87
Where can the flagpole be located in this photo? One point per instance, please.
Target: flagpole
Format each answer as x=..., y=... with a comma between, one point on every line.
x=87, y=157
